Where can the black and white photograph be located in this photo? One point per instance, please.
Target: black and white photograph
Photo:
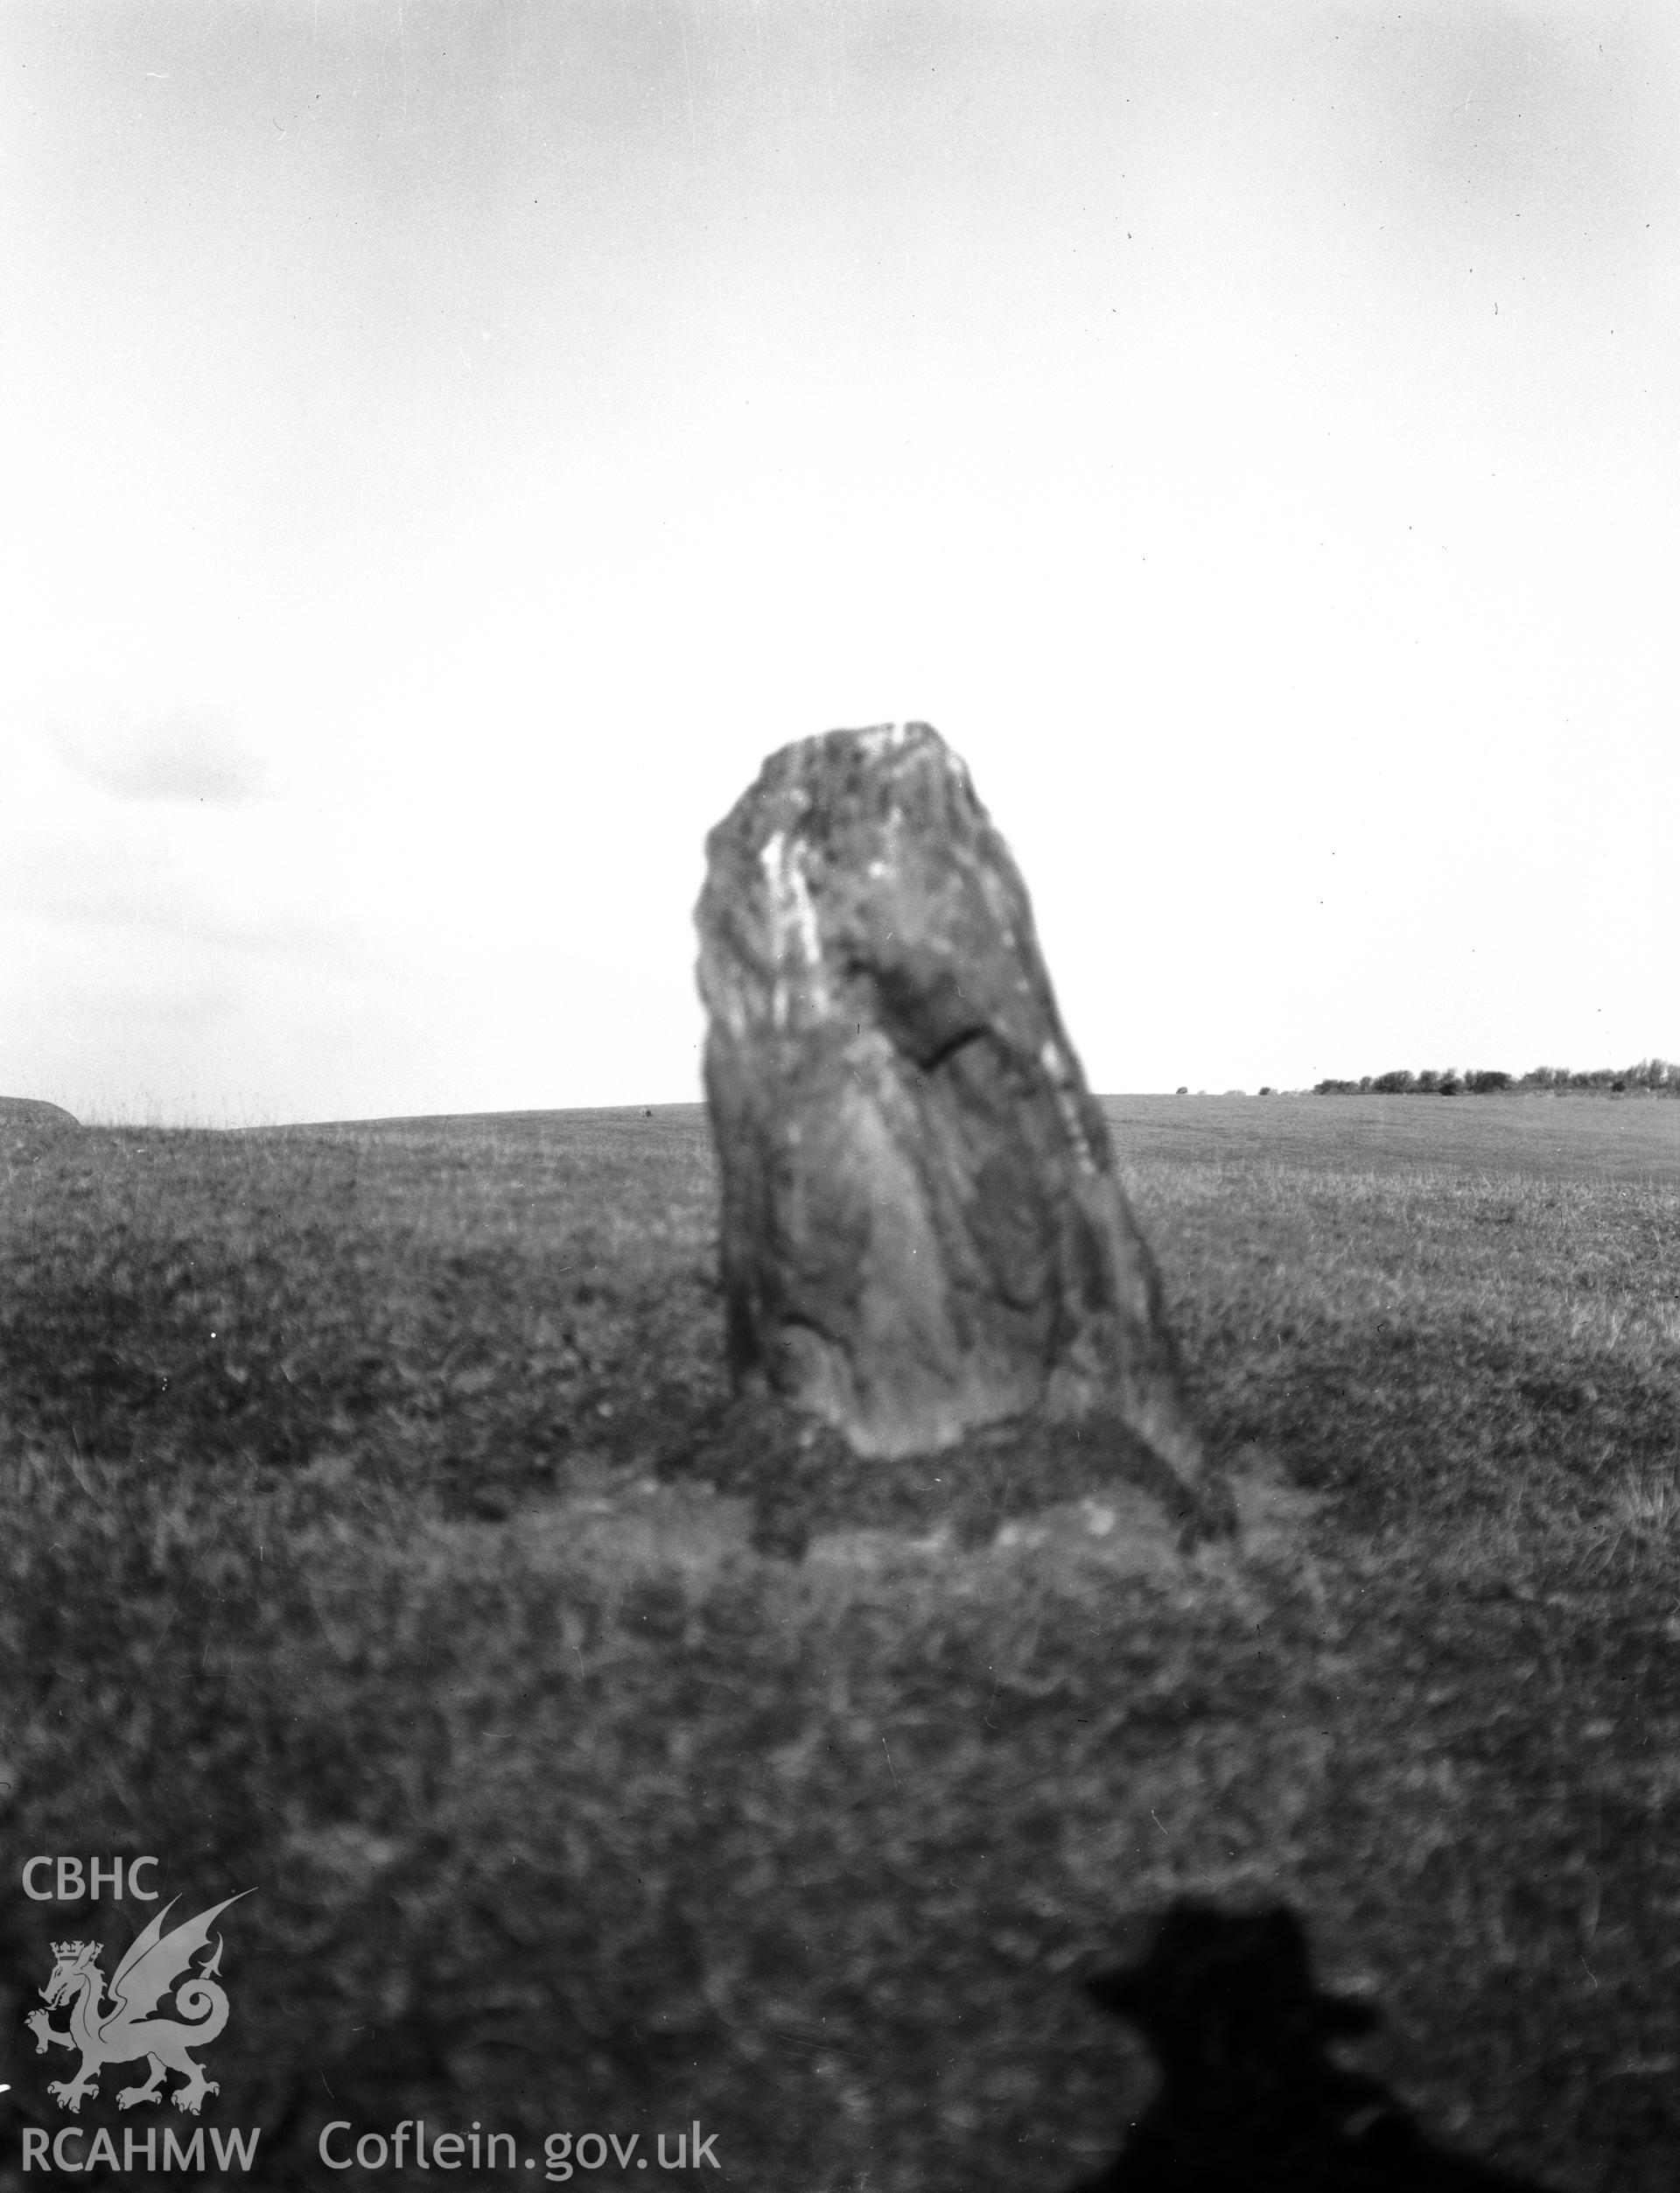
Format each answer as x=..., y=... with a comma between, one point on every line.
x=840, y=1095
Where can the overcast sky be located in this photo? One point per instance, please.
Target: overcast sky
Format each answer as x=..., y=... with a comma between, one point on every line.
x=444, y=449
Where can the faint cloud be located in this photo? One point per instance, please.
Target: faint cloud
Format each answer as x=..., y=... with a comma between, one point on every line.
x=135, y=897
x=188, y=755
x=186, y=854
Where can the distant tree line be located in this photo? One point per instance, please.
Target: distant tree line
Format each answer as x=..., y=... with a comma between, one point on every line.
x=1660, y=1076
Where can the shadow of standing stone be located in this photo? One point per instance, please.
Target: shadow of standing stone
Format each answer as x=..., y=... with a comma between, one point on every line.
x=923, y=1235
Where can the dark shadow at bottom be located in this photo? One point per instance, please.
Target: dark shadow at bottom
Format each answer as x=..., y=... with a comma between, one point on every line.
x=1251, y=2100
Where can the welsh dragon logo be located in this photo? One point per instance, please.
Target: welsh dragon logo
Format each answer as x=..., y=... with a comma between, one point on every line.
x=125, y=2029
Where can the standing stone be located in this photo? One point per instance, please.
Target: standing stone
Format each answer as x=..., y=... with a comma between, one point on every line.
x=922, y=1231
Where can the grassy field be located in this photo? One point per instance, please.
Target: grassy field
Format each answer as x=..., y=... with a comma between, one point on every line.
x=355, y=1547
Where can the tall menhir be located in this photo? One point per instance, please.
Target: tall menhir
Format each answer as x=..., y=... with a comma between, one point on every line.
x=922, y=1231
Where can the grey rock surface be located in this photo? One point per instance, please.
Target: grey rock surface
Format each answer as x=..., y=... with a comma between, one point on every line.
x=923, y=1234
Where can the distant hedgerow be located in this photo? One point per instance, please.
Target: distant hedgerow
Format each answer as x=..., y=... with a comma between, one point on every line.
x=1660, y=1076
